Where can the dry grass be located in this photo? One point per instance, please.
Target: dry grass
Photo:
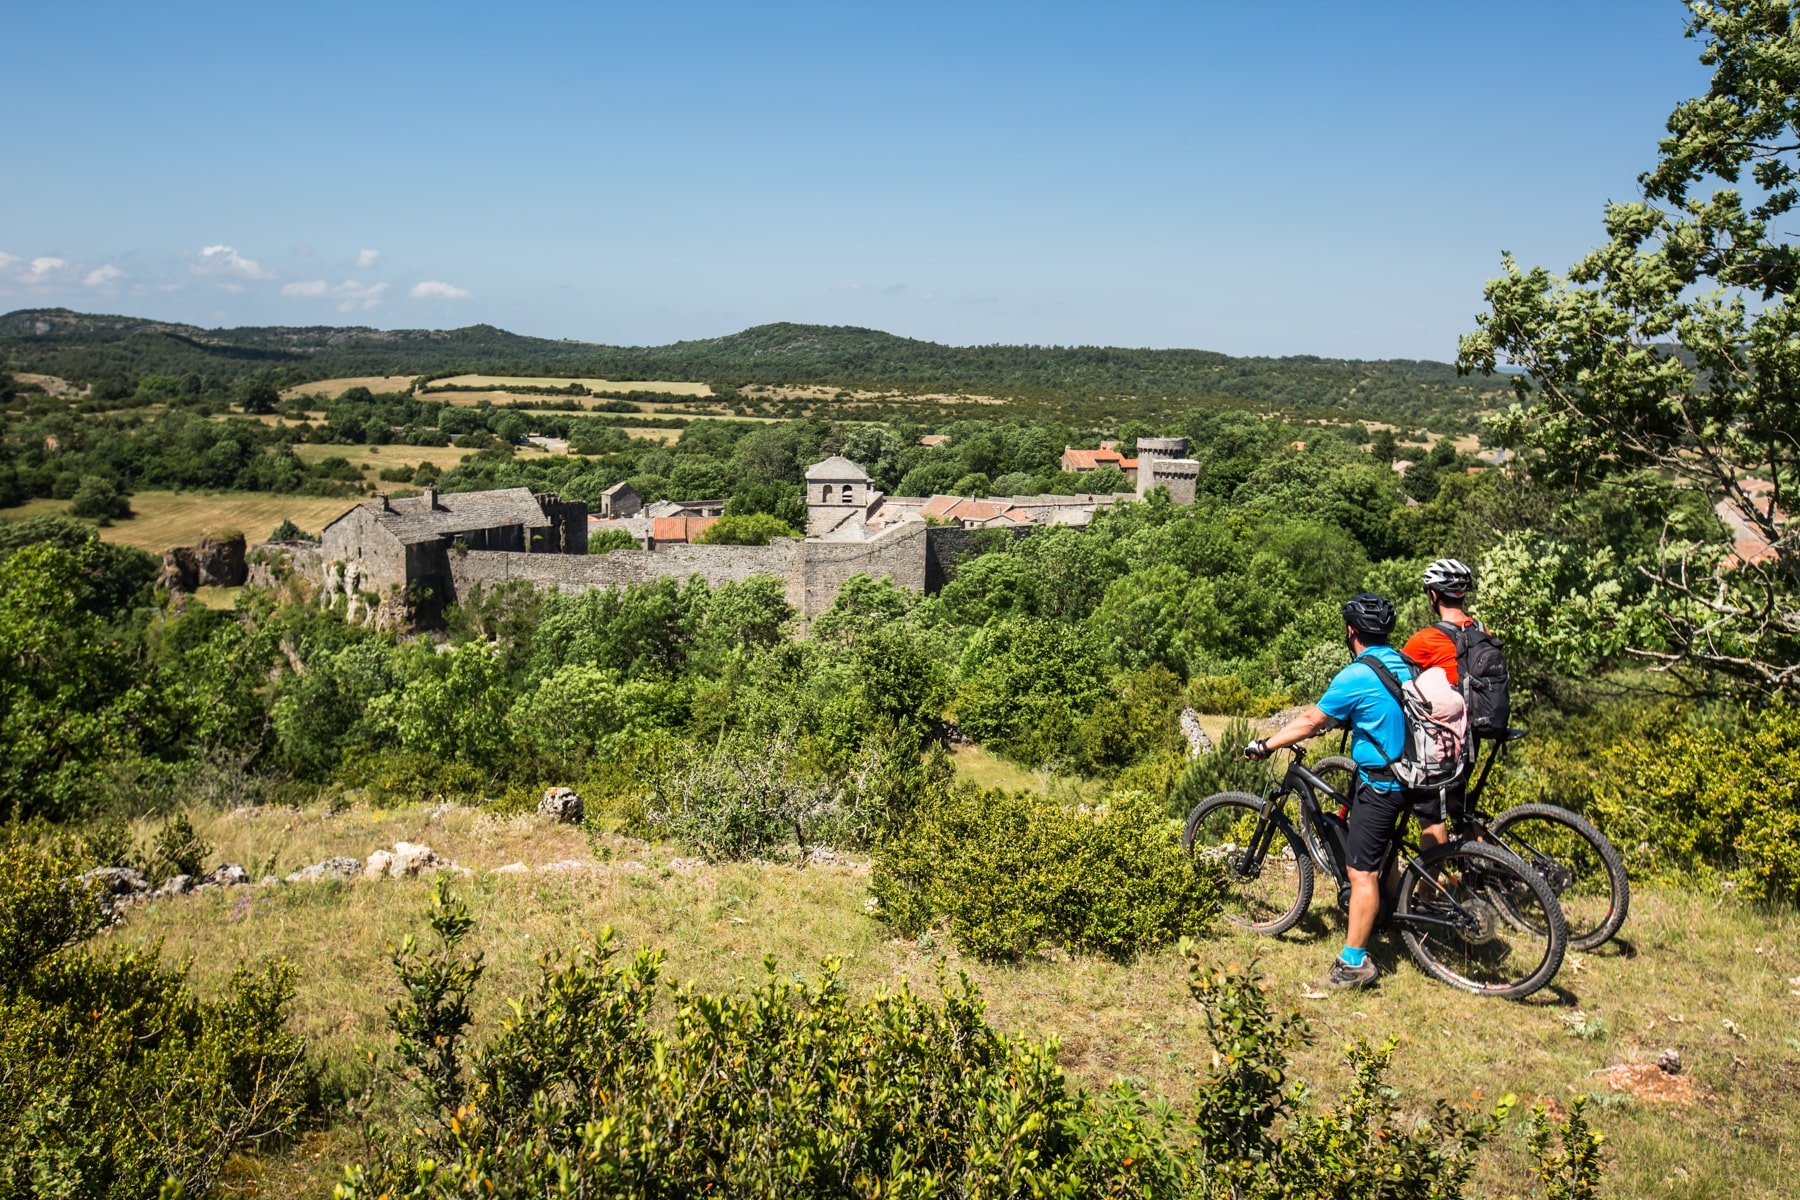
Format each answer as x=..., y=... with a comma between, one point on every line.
x=331, y=389
x=167, y=519
x=1707, y=977
x=593, y=385
x=371, y=459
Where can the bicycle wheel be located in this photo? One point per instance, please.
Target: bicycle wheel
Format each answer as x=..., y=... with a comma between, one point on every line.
x=1480, y=889
x=1339, y=771
x=1265, y=878
x=1578, y=863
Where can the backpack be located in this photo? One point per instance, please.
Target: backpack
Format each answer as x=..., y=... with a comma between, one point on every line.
x=1481, y=671
x=1437, y=726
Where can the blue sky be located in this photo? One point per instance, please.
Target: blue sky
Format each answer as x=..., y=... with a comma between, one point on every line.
x=1321, y=178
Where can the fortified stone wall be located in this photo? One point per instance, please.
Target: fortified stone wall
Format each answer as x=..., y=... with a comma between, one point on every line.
x=948, y=545
x=813, y=571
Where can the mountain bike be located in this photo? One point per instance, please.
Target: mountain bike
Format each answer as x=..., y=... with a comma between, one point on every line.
x=1573, y=857
x=1470, y=913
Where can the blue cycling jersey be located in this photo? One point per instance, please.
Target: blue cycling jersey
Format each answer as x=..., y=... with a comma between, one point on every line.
x=1357, y=698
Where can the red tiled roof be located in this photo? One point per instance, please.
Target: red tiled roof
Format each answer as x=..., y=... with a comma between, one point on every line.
x=1088, y=460
x=681, y=529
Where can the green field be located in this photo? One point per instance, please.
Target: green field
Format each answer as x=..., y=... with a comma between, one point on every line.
x=1710, y=978
x=167, y=519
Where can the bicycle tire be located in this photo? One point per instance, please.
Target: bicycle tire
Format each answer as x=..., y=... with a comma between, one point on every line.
x=1476, y=871
x=1339, y=771
x=1242, y=901
x=1587, y=930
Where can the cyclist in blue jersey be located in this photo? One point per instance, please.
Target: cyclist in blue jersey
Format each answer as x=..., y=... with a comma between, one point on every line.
x=1357, y=699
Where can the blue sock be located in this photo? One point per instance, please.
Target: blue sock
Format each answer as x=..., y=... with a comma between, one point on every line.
x=1354, y=956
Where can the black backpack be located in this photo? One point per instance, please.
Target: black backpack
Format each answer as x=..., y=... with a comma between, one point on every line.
x=1481, y=673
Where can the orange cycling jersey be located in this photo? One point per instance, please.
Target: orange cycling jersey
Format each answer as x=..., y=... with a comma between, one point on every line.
x=1432, y=647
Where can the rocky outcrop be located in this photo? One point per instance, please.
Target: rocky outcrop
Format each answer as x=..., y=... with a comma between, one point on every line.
x=214, y=562
x=331, y=868
x=561, y=804
x=1197, y=741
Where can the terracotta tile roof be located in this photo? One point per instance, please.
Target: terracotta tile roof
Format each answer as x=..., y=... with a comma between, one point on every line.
x=681, y=529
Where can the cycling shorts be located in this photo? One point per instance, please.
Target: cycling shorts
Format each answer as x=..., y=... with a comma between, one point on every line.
x=1374, y=817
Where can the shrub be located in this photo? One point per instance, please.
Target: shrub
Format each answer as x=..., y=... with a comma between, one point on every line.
x=99, y=499
x=1224, y=769
x=1013, y=871
x=115, y=1078
x=750, y=529
x=748, y=797
x=793, y=1090
x=608, y=540
x=179, y=850
x=287, y=531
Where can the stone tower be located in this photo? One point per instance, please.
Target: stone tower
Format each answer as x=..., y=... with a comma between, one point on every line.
x=837, y=491
x=1163, y=462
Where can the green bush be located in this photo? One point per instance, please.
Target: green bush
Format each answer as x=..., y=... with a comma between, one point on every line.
x=1681, y=796
x=750, y=529
x=1013, y=871
x=749, y=797
x=1224, y=769
x=793, y=1090
x=608, y=540
x=178, y=850
x=115, y=1078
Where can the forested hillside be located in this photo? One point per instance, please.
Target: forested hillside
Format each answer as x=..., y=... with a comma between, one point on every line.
x=87, y=348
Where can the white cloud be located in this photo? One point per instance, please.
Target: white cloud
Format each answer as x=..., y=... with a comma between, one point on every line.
x=350, y=294
x=42, y=268
x=7, y=260
x=366, y=259
x=224, y=260
x=105, y=276
x=434, y=289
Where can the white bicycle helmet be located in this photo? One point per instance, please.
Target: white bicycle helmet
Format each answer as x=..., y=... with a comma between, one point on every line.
x=1449, y=577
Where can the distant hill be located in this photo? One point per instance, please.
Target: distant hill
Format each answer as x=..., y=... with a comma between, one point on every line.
x=83, y=347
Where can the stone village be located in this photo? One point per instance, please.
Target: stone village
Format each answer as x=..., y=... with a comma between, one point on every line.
x=397, y=560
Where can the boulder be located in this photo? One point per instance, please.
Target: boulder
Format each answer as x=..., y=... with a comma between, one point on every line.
x=512, y=868
x=377, y=864
x=410, y=858
x=180, y=885
x=561, y=804
x=225, y=875
x=214, y=562
x=118, y=881
x=331, y=868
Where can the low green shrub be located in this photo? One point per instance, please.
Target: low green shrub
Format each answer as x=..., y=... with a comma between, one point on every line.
x=1013, y=871
x=1681, y=796
x=115, y=1078
x=793, y=1090
x=749, y=797
x=178, y=850
x=1223, y=769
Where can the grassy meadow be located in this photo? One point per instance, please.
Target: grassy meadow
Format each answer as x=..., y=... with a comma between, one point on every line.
x=165, y=519
x=1711, y=978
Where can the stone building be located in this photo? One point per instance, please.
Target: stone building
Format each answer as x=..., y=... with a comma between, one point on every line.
x=396, y=552
x=619, y=501
x=1163, y=462
x=839, y=493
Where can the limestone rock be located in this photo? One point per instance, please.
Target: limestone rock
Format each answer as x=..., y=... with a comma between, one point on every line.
x=409, y=858
x=180, y=885
x=118, y=881
x=562, y=804
x=225, y=875
x=512, y=868
x=1198, y=742
x=1669, y=1061
x=377, y=865
x=215, y=562
x=331, y=868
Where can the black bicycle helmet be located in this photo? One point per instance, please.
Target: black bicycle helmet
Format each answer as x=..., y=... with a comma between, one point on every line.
x=1449, y=577
x=1369, y=614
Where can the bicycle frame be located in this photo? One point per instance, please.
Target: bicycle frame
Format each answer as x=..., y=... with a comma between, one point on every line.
x=1316, y=828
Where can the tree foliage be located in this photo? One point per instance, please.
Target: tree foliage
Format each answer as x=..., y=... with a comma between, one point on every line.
x=1670, y=356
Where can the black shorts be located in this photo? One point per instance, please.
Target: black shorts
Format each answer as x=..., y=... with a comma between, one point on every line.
x=1374, y=816
x=1428, y=810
